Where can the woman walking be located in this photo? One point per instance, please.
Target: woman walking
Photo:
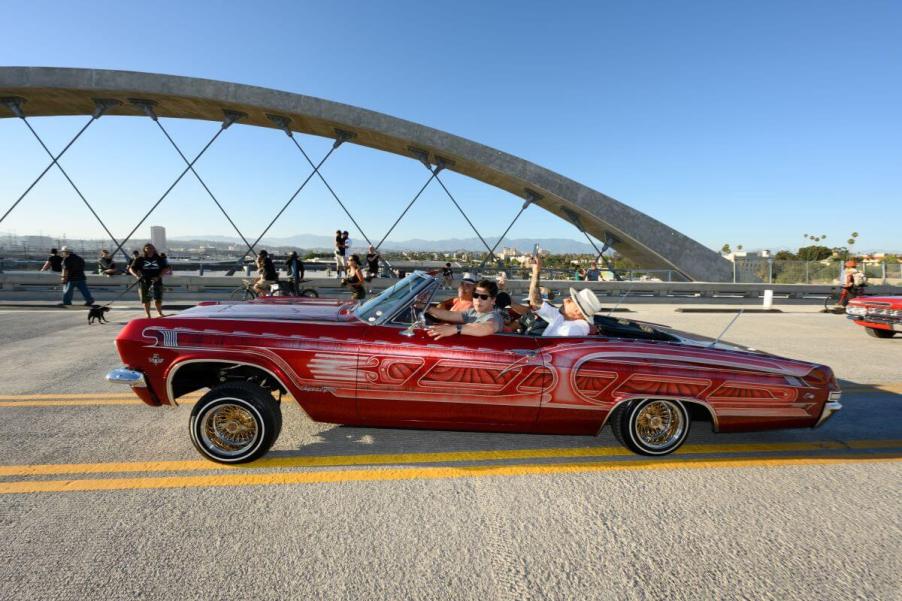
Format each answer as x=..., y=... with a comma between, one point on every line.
x=355, y=280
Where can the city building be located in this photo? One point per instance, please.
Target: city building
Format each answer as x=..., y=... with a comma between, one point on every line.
x=158, y=237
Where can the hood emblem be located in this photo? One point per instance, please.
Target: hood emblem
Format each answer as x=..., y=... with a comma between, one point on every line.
x=155, y=359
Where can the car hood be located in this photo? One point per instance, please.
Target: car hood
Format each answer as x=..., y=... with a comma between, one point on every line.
x=321, y=310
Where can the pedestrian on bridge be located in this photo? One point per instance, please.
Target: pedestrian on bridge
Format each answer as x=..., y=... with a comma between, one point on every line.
x=54, y=262
x=73, y=276
x=149, y=270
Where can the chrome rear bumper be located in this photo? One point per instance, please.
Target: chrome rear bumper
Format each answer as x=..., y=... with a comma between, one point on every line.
x=130, y=377
x=830, y=407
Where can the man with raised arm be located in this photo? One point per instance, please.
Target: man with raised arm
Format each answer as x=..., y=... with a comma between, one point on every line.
x=574, y=316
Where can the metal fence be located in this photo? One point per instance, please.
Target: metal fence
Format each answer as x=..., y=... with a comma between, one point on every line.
x=811, y=272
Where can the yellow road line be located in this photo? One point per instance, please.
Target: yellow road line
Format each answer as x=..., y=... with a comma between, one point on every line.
x=438, y=457
x=73, y=403
x=429, y=473
x=895, y=387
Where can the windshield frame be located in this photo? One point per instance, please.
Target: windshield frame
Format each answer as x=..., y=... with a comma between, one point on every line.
x=383, y=308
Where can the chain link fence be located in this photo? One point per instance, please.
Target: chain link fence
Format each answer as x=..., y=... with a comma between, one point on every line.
x=811, y=272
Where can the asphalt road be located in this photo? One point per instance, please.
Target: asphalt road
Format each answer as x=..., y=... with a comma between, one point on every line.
x=101, y=497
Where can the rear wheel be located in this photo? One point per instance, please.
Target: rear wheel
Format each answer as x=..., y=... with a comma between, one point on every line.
x=243, y=294
x=651, y=426
x=235, y=423
x=877, y=333
x=309, y=293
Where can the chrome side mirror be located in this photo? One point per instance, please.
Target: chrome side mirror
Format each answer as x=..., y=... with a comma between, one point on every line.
x=418, y=324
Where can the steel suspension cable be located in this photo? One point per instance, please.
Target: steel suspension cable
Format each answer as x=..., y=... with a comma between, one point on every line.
x=15, y=107
x=153, y=116
x=407, y=208
x=168, y=190
x=74, y=187
x=526, y=204
x=338, y=142
x=445, y=188
x=293, y=196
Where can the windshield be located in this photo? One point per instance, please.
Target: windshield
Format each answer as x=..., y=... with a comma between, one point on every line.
x=380, y=309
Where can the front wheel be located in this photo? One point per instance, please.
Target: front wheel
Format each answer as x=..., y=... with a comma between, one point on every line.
x=651, y=426
x=309, y=293
x=877, y=333
x=235, y=423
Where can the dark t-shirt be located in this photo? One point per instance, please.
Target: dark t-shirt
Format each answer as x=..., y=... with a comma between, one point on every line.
x=150, y=267
x=372, y=262
x=269, y=270
x=56, y=263
x=295, y=268
x=75, y=267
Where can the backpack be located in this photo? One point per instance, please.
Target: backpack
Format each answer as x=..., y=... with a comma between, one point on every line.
x=859, y=279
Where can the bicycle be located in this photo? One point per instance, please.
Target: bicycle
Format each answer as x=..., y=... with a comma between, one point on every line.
x=247, y=292
x=831, y=301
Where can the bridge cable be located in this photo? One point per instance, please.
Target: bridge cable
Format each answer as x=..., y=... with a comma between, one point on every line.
x=231, y=117
x=102, y=107
x=341, y=137
x=410, y=204
x=601, y=254
x=221, y=129
x=451, y=196
x=530, y=198
x=15, y=105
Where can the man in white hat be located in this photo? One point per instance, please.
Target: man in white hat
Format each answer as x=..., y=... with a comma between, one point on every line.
x=464, y=298
x=575, y=314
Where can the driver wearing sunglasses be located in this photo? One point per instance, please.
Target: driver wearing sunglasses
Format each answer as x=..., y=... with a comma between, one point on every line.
x=480, y=320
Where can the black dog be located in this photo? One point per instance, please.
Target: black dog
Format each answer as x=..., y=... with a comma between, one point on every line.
x=96, y=313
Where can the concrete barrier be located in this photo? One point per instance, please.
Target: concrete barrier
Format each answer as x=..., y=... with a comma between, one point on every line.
x=216, y=287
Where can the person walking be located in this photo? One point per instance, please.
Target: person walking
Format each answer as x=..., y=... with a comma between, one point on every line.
x=149, y=269
x=356, y=280
x=73, y=276
x=295, y=269
x=54, y=262
x=447, y=277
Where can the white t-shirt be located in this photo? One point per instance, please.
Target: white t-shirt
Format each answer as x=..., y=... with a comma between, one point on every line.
x=558, y=326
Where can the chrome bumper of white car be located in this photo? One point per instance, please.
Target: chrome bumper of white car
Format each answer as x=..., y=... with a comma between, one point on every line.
x=830, y=407
x=130, y=377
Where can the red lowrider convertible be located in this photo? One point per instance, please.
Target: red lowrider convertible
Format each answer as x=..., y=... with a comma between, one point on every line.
x=374, y=365
x=881, y=316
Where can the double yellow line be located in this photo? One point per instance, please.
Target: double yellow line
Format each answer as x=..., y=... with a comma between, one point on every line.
x=404, y=466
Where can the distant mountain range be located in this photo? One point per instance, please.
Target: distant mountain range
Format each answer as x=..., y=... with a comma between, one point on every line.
x=312, y=241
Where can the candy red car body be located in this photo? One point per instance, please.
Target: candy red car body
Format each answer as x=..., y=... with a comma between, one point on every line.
x=374, y=365
x=881, y=316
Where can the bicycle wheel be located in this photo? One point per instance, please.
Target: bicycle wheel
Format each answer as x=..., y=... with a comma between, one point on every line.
x=831, y=301
x=243, y=294
x=309, y=293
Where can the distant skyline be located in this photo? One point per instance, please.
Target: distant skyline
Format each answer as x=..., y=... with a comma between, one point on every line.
x=733, y=123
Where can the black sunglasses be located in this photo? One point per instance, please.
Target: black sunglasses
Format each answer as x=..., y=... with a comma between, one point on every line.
x=482, y=296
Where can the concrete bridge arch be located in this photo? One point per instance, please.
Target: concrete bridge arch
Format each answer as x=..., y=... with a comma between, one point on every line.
x=648, y=242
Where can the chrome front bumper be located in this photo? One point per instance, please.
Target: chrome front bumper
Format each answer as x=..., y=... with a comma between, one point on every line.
x=830, y=407
x=130, y=377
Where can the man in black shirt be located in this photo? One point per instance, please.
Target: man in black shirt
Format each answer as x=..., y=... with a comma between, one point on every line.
x=54, y=262
x=372, y=263
x=73, y=276
x=149, y=270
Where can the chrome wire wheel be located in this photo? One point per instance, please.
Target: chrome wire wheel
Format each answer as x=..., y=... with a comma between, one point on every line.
x=659, y=424
x=229, y=429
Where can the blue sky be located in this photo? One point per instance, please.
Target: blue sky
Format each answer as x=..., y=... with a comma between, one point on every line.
x=749, y=123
